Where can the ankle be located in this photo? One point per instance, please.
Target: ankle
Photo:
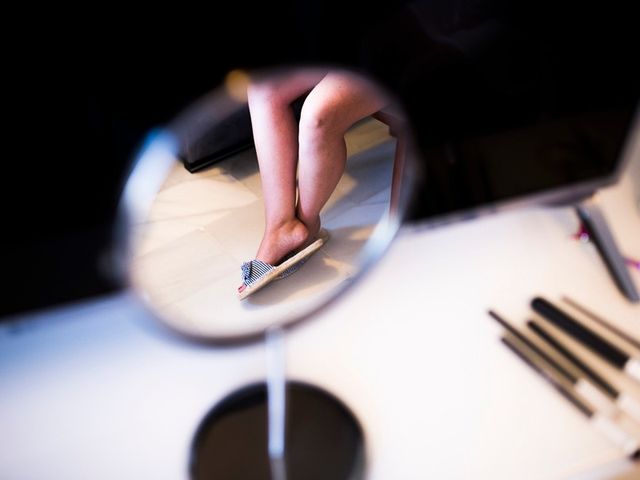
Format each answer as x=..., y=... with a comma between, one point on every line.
x=282, y=239
x=312, y=225
x=311, y=221
x=289, y=227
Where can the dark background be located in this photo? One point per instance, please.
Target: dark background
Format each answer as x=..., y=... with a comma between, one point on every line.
x=82, y=89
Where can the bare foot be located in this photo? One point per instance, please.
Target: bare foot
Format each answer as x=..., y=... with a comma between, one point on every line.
x=279, y=242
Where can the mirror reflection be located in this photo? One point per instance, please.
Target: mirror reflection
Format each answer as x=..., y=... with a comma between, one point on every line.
x=279, y=194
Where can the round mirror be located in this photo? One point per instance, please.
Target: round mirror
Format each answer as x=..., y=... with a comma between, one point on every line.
x=264, y=200
x=257, y=206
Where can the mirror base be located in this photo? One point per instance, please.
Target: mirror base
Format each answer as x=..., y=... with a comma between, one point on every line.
x=324, y=439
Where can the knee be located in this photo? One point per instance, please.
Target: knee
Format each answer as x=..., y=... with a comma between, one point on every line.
x=265, y=93
x=318, y=123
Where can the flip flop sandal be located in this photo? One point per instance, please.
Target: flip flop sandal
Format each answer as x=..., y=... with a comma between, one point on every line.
x=257, y=274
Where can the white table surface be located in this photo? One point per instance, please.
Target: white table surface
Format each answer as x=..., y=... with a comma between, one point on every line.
x=95, y=390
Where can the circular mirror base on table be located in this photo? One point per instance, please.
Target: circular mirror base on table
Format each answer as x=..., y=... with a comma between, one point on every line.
x=324, y=440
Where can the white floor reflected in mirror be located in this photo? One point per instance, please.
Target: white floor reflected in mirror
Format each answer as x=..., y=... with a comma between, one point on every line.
x=204, y=225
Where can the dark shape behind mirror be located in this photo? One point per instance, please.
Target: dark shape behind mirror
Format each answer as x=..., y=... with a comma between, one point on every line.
x=512, y=104
x=516, y=105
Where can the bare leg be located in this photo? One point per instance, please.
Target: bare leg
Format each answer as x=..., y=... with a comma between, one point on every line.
x=315, y=150
x=275, y=133
x=332, y=107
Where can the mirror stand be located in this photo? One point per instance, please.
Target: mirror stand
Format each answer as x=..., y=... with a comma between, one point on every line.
x=184, y=237
x=276, y=402
x=278, y=430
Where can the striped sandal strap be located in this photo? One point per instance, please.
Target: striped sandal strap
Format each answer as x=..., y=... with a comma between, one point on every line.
x=253, y=270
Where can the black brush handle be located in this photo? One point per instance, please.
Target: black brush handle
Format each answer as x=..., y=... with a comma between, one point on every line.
x=606, y=324
x=520, y=336
x=569, y=325
x=549, y=378
x=595, y=377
